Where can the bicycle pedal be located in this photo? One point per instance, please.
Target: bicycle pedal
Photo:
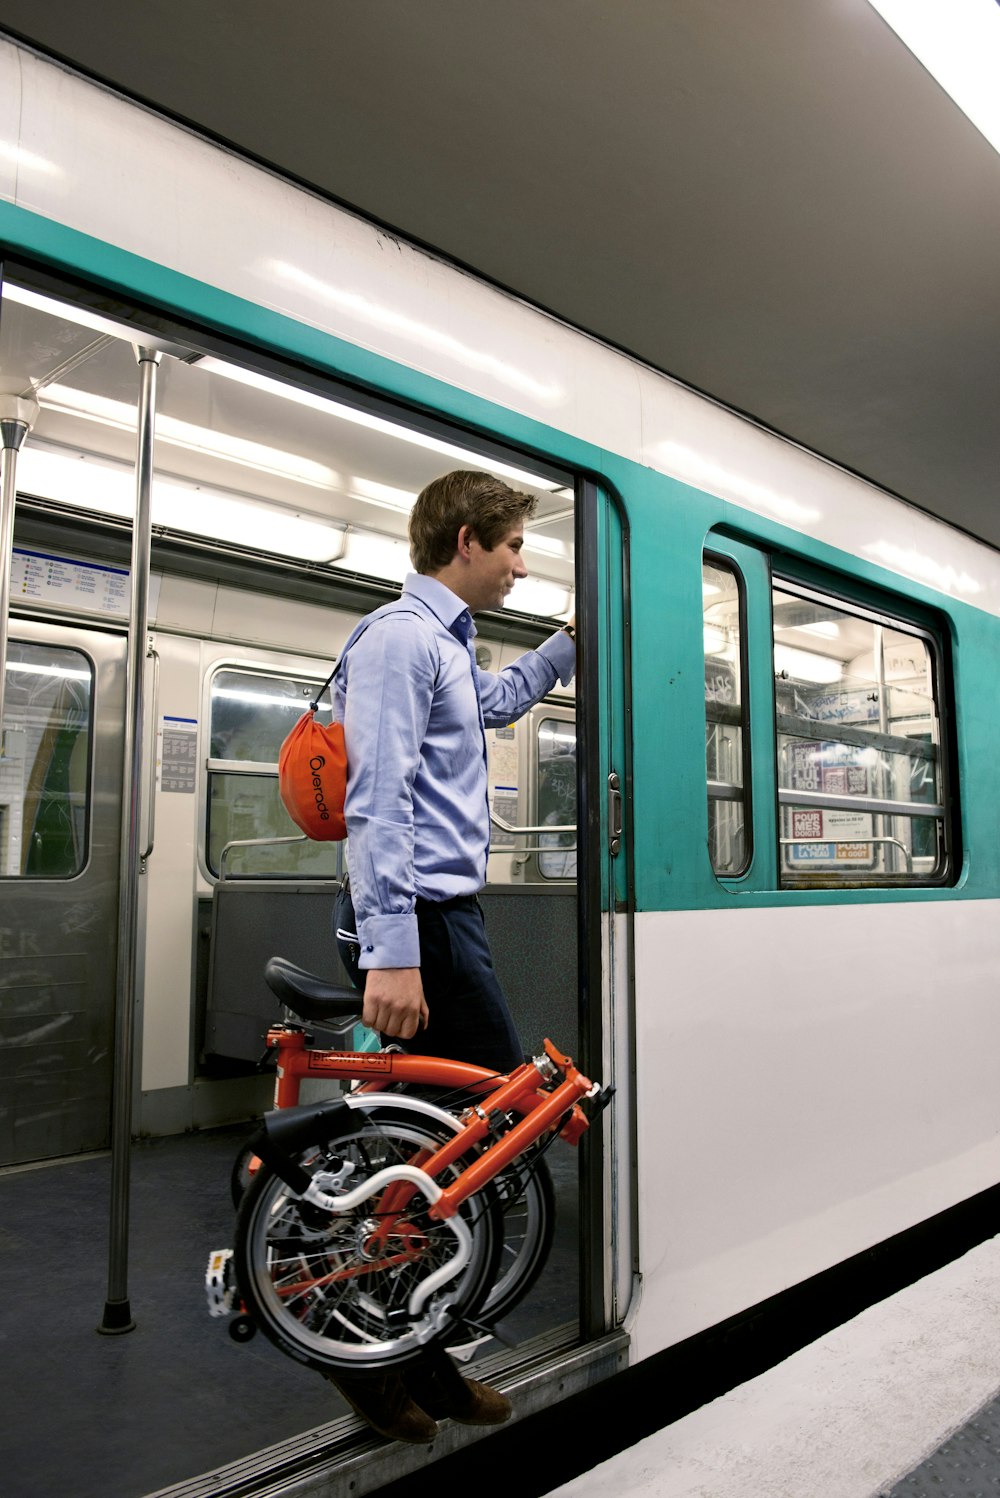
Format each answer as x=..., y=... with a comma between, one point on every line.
x=220, y=1282
x=464, y=1352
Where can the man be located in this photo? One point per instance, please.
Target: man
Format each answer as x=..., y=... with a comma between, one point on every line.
x=415, y=708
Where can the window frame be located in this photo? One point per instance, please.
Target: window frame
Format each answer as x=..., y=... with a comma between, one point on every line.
x=91, y=727
x=212, y=766
x=723, y=562
x=904, y=620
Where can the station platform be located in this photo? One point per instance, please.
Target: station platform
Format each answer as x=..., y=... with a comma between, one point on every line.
x=903, y=1401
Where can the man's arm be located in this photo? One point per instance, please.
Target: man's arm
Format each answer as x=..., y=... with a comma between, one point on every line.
x=390, y=681
x=508, y=694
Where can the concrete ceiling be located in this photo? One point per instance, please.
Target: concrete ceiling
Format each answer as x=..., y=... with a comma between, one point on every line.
x=771, y=199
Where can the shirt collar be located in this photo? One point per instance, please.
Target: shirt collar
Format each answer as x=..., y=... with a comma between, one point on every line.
x=441, y=601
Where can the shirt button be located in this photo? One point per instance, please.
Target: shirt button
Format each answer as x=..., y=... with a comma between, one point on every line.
x=369, y=949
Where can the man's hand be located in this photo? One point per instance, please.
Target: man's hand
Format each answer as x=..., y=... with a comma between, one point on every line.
x=394, y=1002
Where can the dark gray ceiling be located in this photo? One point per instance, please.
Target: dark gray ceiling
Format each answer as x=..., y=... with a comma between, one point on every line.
x=767, y=198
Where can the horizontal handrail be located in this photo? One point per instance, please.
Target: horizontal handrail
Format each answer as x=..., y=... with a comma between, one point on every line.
x=255, y=842
x=836, y=802
x=242, y=766
x=844, y=841
x=511, y=828
x=724, y=790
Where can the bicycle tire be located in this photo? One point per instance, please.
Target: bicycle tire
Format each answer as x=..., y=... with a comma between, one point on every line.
x=527, y=1202
x=303, y=1273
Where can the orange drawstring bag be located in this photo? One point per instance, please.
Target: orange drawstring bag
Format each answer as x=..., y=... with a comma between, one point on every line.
x=312, y=775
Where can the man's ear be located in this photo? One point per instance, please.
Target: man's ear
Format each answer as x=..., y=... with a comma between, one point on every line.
x=465, y=536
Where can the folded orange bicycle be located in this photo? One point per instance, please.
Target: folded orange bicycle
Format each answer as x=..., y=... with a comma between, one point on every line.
x=375, y=1223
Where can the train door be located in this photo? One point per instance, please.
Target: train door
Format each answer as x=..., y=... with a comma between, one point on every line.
x=603, y=749
x=60, y=809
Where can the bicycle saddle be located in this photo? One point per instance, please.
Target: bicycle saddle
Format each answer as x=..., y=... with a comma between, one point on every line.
x=308, y=995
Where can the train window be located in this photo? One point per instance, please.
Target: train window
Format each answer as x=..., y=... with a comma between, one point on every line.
x=45, y=762
x=861, y=785
x=725, y=737
x=556, y=798
x=250, y=714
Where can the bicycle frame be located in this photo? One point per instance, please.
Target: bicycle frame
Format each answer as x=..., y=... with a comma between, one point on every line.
x=524, y=1092
x=298, y=1060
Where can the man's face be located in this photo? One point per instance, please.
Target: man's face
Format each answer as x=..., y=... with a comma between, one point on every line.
x=492, y=574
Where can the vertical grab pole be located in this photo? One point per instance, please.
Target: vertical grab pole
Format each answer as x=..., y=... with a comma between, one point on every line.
x=16, y=417
x=117, y=1310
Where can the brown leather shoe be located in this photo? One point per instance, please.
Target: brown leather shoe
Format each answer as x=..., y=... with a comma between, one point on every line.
x=480, y=1406
x=385, y=1403
x=436, y=1385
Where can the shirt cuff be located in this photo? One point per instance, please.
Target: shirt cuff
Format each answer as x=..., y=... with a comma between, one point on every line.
x=560, y=652
x=389, y=941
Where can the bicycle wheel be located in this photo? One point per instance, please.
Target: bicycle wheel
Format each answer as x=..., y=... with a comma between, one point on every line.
x=527, y=1201
x=322, y=1287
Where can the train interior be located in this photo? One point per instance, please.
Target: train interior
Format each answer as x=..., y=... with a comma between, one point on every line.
x=279, y=510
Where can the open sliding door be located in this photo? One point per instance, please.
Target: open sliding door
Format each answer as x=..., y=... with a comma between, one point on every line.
x=605, y=925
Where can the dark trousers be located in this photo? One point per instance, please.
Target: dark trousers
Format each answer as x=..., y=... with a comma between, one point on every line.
x=469, y=1017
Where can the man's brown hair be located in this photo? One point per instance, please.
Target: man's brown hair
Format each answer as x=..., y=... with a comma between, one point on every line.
x=489, y=507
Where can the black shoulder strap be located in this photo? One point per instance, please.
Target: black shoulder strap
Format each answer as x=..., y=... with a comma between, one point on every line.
x=356, y=636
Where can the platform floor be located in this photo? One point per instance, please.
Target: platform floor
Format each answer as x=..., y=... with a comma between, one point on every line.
x=903, y=1401
x=89, y=1416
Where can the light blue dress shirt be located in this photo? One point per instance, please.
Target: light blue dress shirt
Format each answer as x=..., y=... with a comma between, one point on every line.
x=415, y=707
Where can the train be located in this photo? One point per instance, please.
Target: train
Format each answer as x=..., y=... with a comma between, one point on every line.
x=746, y=867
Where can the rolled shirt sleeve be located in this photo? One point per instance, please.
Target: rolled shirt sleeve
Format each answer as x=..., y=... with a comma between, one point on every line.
x=508, y=694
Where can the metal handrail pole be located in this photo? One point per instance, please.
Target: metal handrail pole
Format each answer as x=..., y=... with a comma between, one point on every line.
x=117, y=1310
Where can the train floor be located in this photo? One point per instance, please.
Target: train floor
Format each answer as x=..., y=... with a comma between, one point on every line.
x=903, y=1401
x=92, y=1416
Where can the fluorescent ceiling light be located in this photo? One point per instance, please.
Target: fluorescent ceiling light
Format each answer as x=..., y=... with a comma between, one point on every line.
x=466, y=456
x=385, y=495
x=826, y=628
x=375, y=556
x=214, y=444
x=84, y=482
x=534, y=595
x=546, y=546
x=85, y=318
x=958, y=42
x=803, y=665
x=109, y=488
x=202, y=512
x=74, y=479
